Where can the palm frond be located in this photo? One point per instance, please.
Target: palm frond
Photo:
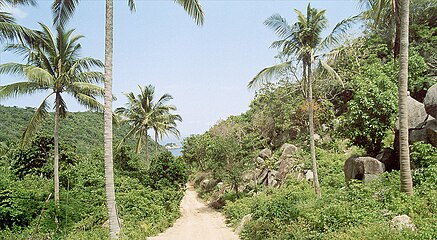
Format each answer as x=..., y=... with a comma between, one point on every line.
x=268, y=74
x=19, y=88
x=88, y=101
x=194, y=9
x=131, y=4
x=338, y=32
x=6, y=17
x=11, y=31
x=39, y=75
x=279, y=25
x=62, y=107
x=85, y=88
x=89, y=77
x=331, y=71
x=39, y=115
x=62, y=11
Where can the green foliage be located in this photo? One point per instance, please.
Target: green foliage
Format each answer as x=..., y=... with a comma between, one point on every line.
x=37, y=158
x=167, y=171
x=294, y=213
x=372, y=110
x=423, y=154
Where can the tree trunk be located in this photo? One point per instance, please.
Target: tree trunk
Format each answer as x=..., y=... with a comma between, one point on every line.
x=114, y=226
x=311, y=126
x=56, y=157
x=147, y=147
x=156, y=141
x=404, y=152
x=397, y=40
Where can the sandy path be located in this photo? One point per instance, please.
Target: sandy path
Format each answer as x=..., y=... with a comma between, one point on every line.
x=198, y=222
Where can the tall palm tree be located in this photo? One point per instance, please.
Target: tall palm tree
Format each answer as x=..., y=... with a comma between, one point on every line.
x=303, y=40
x=53, y=65
x=62, y=11
x=143, y=113
x=405, y=171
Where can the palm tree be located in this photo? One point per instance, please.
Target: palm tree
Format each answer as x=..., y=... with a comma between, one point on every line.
x=404, y=158
x=53, y=65
x=303, y=40
x=62, y=11
x=9, y=30
x=142, y=114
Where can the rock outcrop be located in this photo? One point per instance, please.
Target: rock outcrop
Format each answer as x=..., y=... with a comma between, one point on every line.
x=430, y=101
x=362, y=168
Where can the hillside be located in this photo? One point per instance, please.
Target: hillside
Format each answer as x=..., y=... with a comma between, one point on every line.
x=83, y=130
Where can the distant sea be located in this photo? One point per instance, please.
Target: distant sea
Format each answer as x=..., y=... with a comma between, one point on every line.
x=176, y=152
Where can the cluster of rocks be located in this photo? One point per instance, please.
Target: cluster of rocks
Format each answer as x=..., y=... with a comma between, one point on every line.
x=422, y=123
x=274, y=175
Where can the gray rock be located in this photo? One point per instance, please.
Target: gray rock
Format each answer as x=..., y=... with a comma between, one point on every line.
x=362, y=168
x=265, y=153
x=416, y=114
x=309, y=175
x=247, y=218
x=284, y=167
x=262, y=176
x=387, y=156
x=431, y=132
x=430, y=101
x=287, y=151
x=402, y=222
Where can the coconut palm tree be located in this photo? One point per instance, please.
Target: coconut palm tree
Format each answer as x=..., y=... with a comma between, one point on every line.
x=53, y=65
x=404, y=158
x=143, y=113
x=62, y=11
x=303, y=41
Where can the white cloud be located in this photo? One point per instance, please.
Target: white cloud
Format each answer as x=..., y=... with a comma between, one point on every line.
x=15, y=11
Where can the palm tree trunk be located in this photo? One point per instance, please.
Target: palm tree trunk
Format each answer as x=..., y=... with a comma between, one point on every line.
x=114, y=226
x=56, y=143
x=147, y=147
x=311, y=126
x=404, y=152
x=397, y=37
x=156, y=141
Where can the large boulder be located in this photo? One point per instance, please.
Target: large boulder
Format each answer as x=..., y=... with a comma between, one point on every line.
x=288, y=151
x=430, y=101
x=416, y=114
x=422, y=126
x=362, y=168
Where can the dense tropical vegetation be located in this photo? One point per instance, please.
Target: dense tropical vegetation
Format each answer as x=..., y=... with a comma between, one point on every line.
x=332, y=98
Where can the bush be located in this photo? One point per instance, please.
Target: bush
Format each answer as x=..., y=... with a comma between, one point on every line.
x=423, y=154
x=167, y=171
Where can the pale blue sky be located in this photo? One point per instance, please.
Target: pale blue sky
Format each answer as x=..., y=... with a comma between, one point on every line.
x=206, y=69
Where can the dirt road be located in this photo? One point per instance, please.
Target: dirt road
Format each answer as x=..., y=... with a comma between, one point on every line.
x=198, y=222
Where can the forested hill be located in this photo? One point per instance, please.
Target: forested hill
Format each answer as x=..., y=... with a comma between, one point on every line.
x=83, y=130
